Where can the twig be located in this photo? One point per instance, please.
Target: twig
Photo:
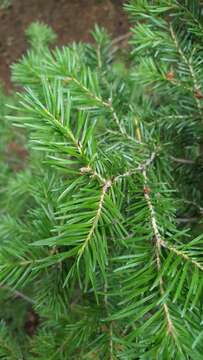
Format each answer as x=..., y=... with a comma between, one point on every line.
x=93, y=173
x=66, y=132
x=106, y=104
x=18, y=293
x=121, y=38
x=187, y=219
x=181, y=254
x=107, y=183
x=105, y=188
x=182, y=161
x=158, y=241
x=140, y=167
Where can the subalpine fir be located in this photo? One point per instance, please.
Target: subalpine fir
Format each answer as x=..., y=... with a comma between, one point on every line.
x=101, y=229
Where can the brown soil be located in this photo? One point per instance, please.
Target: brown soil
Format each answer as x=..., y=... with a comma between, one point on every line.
x=71, y=20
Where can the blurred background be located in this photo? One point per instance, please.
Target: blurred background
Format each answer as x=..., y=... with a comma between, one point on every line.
x=72, y=20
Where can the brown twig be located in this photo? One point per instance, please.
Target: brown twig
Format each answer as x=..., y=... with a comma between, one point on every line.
x=17, y=293
x=182, y=161
x=185, y=220
x=121, y=38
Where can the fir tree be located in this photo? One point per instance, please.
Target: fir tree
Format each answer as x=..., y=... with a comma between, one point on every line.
x=101, y=231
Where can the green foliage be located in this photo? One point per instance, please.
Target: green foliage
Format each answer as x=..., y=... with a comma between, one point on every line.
x=9, y=349
x=40, y=35
x=101, y=231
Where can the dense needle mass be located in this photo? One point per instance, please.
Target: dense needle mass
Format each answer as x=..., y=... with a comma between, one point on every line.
x=101, y=230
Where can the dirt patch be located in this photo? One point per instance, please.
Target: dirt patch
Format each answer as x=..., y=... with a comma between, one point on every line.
x=72, y=20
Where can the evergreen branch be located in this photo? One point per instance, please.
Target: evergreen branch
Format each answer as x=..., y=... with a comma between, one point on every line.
x=107, y=184
x=89, y=170
x=188, y=63
x=66, y=132
x=113, y=275
x=125, y=135
x=159, y=242
x=130, y=172
x=181, y=254
x=180, y=84
x=140, y=167
x=191, y=15
x=99, y=100
x=87, y=91
x=105, y=188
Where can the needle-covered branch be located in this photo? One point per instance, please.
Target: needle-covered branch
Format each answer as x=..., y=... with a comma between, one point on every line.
x=98, y=243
